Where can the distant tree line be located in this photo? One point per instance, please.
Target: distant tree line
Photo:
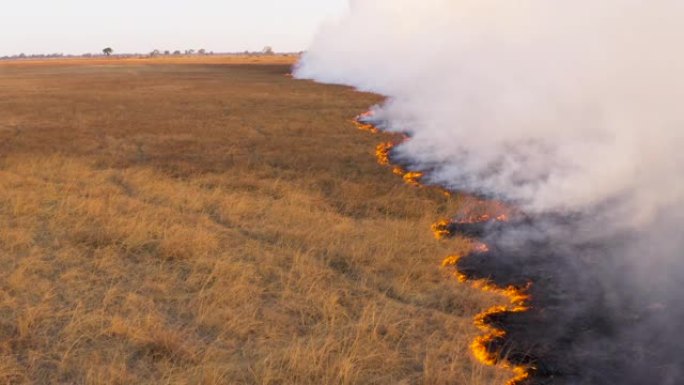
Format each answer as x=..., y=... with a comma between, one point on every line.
x=187, y=52
x=35, y=56
x=109, y=51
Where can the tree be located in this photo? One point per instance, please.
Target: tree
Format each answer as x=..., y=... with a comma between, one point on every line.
x=267, y=50
x=167, y=52
x=107, y=51
x=202, y=51
x=155, y=53
x=176, y=52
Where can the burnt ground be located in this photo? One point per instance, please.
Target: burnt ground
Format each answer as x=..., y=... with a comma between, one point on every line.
x=581, y=322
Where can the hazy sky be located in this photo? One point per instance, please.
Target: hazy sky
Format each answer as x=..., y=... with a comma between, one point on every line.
x=80, y=26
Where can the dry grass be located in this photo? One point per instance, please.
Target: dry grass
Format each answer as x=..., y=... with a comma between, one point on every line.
x=214, y=223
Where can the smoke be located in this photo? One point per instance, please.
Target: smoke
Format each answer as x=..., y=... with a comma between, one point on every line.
x=567, y=109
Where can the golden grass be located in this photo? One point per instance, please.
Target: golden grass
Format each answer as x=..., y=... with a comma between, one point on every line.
x=215, y=223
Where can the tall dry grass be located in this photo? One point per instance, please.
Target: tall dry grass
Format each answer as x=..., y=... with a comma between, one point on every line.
x=214, y=223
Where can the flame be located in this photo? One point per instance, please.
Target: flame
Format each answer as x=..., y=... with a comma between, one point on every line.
x=413, y=178
x=362, y=125
x=518, y=299
x=382, y=153
x=521, y=374
x=482, y=347
x=441, y=229
x=451, y=260
x=366, y=127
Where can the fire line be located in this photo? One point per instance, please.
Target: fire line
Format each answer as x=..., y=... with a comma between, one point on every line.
x=486, y=348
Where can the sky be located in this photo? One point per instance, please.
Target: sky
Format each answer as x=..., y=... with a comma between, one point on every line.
x=140, y=26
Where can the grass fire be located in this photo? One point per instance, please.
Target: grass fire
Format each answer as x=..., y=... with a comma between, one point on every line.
x=189, y=196
x=567, y=116
x=186, y=219
x=488, y=348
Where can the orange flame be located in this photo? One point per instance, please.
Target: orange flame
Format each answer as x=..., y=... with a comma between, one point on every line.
x=518, y=302
x=358, y=121
x=518, y=297
x=481, y=346
x=366, y=127
x=382, y=153
x=413, y=178
x=441, y=229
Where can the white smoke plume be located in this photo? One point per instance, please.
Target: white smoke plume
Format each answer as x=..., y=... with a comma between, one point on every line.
x=559, y=107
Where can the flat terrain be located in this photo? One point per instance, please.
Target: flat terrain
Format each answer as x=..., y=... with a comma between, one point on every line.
x=213, y=221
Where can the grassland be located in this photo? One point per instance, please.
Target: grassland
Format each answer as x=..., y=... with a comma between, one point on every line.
x=214, y=222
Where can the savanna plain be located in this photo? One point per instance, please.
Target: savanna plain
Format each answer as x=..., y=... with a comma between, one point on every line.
x=214, y=221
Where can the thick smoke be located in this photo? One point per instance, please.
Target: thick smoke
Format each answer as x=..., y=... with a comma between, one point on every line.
x=568, y=109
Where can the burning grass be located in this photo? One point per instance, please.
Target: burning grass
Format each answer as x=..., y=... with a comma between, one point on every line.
x=213, y=222
x=474, y=216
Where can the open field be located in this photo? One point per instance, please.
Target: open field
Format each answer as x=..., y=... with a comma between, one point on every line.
x=215, y=222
